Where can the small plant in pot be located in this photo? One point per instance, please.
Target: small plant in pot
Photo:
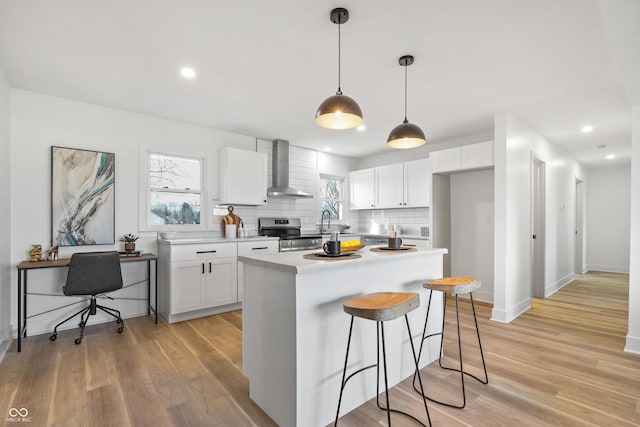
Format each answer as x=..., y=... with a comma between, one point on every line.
x=129, y=242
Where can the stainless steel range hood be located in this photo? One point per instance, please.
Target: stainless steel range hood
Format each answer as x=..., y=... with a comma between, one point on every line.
x=280, y=171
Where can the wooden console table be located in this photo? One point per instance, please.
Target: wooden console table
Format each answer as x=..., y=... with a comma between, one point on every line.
x=25, y=266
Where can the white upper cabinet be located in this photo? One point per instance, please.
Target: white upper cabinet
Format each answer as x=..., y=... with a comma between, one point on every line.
x=389, y=186
x=474, y=156
x=362, y=189
x=446, y=160
x=399, y=185
x=242, y=177
x=417, y=183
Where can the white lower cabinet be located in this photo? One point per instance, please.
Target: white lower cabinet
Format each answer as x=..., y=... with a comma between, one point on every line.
x=194, y=278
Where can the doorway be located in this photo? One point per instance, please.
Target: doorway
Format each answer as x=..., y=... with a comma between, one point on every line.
x=578, y=250
x=537, y=226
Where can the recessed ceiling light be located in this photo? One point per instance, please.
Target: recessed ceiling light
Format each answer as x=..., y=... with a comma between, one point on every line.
x=601, y=146
x=361, y=128
x=327, y=148
x=188, y=72
x=586, y=129
x=611, y=156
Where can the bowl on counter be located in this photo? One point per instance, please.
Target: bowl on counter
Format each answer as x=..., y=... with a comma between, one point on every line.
x=168, y=235
x=351, y=248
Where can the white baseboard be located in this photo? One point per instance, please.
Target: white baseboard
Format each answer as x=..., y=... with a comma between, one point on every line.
x=5, y=341
x=633, y=345
x=507, y=316
x=483, y=296
x=559, y=284
x=608, y=268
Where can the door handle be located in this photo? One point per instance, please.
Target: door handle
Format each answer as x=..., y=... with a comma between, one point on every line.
x=203, y=268
x=534, y=236
x=260, y=248
x=206, y=252
x=209, y=267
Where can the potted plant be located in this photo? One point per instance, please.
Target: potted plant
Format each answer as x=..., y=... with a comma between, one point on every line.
x=129, y=242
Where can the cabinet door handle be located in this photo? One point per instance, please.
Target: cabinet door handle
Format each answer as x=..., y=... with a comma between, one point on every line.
x=209, y=267
x=400, y=203
x=203, y=268
x=260, y=248
x=206, y=252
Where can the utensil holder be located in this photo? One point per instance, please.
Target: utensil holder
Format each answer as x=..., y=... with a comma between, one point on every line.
x=230, y=231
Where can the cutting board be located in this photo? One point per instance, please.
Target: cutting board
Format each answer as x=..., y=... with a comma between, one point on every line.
x=230, y=218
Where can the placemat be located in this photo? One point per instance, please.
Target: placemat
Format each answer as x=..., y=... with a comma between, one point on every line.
x=394, y=251
x=314, y=256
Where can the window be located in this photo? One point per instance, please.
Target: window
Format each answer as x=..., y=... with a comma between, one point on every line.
x=331, y=194
x=175, y=190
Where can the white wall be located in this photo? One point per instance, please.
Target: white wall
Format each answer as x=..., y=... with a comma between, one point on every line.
x=40, y=121
x=472, y=228
x=608, y=213
x=5, y=219
x=633, y=335
x=514, y=143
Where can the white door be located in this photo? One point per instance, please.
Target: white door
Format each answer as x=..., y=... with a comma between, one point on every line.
x=362, y=189
x=537, y=227
x=222, y=283
x=578, y=230
x=188, y=286
x=389, y=186
x=417, y=183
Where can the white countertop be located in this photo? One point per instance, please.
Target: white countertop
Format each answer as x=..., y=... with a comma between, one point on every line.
x=295, y=263
x=196, y=240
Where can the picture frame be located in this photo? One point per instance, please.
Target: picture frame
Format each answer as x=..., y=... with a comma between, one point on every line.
x=82, y=197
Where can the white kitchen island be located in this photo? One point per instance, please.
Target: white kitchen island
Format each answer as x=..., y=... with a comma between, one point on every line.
x=295, y=330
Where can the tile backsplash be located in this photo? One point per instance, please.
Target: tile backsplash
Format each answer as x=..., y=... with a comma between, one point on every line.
x=381, y=220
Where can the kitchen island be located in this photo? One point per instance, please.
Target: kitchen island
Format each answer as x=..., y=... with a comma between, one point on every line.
x=295, y=330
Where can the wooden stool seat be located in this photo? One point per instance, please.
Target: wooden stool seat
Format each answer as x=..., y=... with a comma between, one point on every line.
x=453, y=285
x=382, y=306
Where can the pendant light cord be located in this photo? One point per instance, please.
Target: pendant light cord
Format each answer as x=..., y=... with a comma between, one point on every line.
x=405, y=94
x=339, y=92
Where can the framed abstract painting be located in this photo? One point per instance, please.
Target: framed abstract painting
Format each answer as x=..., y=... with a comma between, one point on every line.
x=82, y=197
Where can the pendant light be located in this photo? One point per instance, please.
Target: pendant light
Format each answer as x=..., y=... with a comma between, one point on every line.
x=339, y=111
x=406, y=135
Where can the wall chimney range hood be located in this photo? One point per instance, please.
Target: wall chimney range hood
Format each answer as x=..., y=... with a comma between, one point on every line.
x=280, y=173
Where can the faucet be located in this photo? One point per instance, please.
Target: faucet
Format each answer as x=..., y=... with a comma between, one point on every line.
x=322, y=221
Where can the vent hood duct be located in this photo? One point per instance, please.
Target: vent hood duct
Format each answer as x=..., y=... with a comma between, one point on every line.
x=280, y=171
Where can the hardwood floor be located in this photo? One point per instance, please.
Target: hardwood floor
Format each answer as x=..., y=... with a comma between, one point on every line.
x=560, y=364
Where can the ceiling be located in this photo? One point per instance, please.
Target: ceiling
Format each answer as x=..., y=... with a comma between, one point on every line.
x=264, y=67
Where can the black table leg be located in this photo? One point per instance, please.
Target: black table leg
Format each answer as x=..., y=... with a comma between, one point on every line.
x=24, y=311
x=20, y=310
x=148, y=287
x=156, y=280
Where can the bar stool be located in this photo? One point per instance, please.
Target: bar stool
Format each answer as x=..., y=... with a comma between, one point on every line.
x=381, y=307
x=452, y=286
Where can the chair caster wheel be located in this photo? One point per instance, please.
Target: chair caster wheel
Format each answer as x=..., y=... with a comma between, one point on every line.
x=120, y=329
x=53, y=337
x=78, y=341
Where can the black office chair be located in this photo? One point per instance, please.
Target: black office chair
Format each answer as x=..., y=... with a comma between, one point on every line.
x=92, y=273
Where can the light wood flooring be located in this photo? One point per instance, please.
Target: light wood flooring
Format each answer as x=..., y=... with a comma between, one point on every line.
x=560, y=364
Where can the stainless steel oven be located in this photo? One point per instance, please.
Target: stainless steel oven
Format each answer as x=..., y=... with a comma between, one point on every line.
x=288, y=230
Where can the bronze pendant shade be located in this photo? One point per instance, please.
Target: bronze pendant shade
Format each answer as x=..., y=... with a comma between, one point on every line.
x=339, y=111
x=406, y=135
